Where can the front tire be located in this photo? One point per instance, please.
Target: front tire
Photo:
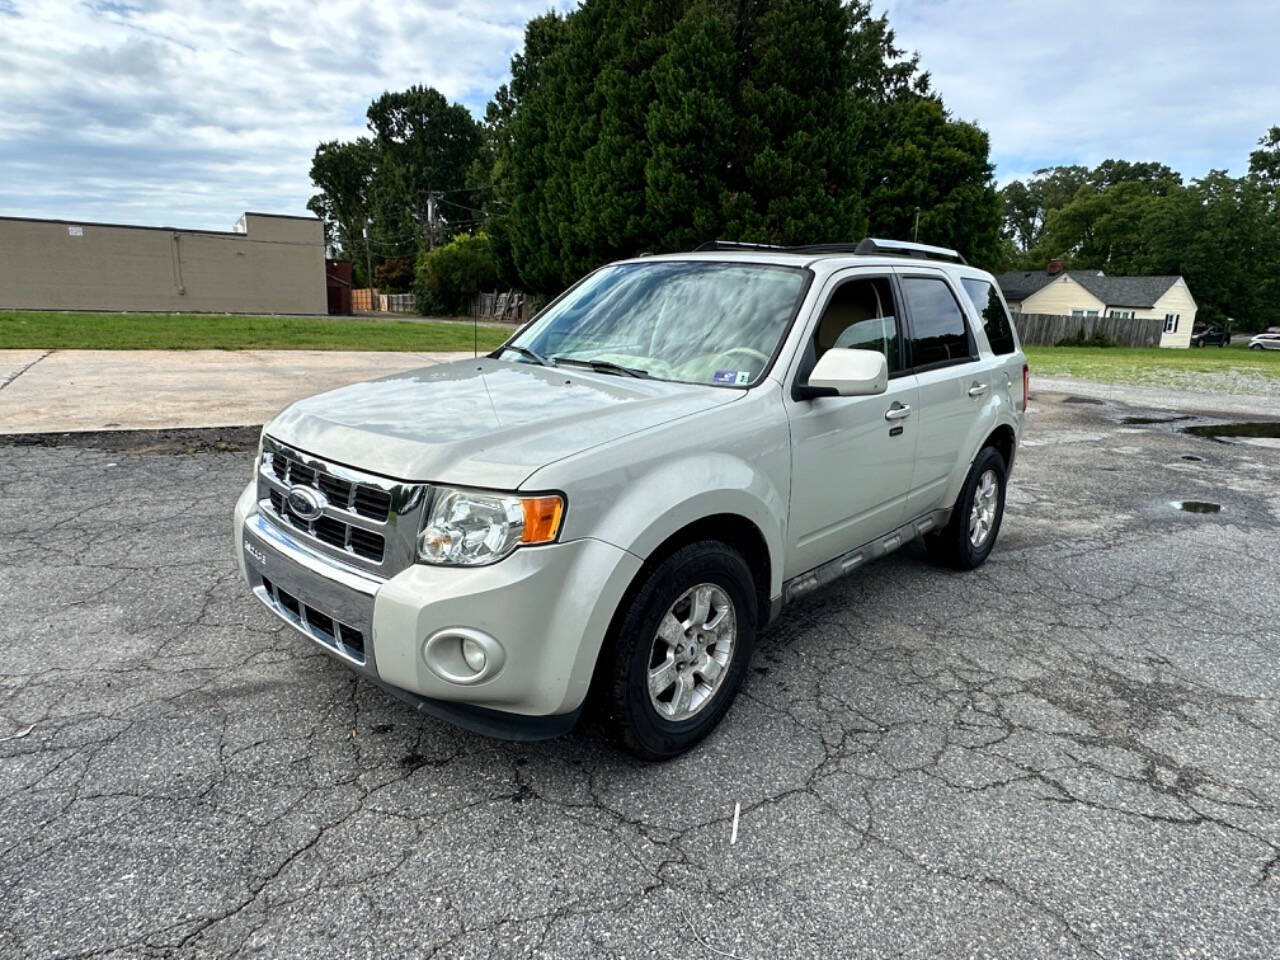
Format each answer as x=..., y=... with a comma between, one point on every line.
x=967, y=539
x=682, y=649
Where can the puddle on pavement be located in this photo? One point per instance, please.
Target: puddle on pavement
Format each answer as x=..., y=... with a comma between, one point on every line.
x=1083, y=400
x=1224, y=432
x=1196, y=506
x=1145, y=421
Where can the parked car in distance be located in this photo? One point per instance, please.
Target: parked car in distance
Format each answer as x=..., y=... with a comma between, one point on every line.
x=622, y=496
x=1210, y=335
x=1265, y=341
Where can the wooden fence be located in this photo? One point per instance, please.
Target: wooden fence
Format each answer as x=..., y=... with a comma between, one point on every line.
x=366, y=300
x=510, y=305
x=1046, y=329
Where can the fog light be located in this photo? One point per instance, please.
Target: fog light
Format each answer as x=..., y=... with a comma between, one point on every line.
x=473, y=654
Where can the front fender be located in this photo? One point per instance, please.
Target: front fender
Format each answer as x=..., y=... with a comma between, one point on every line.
x=659, y=502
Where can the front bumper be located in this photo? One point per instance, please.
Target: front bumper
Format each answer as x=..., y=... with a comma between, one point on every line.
x=547, y=608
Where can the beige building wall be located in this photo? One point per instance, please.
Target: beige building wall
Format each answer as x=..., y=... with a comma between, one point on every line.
x=1061, y=297
x=1177, y=299
x=275, y=266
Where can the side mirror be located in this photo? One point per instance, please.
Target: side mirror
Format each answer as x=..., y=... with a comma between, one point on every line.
x=846, y=373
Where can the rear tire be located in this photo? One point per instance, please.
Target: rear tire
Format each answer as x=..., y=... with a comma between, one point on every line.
x=681, y=650
x=966, y=541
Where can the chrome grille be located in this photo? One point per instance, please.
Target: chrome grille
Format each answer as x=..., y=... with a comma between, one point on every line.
x=359, y=498
x=343, y=637
x=335, y=533
x=367, y=521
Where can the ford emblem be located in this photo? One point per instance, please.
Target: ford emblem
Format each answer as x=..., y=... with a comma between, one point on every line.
x=305, y=503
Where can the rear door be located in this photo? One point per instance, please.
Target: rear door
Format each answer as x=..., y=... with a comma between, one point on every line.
x=851, y=456
x=955, y=381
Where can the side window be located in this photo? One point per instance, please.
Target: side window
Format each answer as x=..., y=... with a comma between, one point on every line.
x=938, y=331
x=995, y=320
x=861, y=315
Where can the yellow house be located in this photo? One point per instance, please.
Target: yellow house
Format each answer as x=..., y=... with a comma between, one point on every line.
x=1091, y=293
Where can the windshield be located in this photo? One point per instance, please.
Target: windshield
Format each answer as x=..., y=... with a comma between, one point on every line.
x=691, y=321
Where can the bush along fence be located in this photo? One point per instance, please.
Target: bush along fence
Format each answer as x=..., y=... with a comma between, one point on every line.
x=369, y=300
x=510, y=305
x=1046, y=329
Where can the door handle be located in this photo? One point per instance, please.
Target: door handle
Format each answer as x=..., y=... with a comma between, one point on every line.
x=899, y=411
x=977, y=390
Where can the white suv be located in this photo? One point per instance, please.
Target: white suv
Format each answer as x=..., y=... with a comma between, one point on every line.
x=625, y=493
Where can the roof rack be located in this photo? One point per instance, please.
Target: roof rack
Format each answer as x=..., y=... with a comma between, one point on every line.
x=868, y=247
x=739, y=245
x=902, y=248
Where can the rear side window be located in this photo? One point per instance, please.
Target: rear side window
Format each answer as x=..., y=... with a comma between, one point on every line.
x=995, y=319
x=938, y=331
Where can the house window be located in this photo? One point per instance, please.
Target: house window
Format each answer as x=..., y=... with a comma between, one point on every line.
x=1171, y=323
x=1084, y=313
x=1121, y=314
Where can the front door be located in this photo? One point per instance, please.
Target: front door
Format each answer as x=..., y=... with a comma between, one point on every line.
x=851, y=457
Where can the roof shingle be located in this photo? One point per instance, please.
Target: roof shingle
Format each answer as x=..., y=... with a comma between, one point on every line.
x=1112, y=291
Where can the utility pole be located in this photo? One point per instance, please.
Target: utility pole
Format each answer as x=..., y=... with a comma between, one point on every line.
x=368, y=261
x=915, y=231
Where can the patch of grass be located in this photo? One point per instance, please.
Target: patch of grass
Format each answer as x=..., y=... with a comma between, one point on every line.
x=1152, y=365
x=46, y=330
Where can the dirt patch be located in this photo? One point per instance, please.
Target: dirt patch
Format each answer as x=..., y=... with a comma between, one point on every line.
x=162, y=442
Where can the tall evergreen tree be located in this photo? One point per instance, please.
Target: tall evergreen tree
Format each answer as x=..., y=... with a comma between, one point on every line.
x=654, y=125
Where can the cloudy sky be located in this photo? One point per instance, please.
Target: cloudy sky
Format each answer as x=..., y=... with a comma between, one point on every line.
x=188, y=112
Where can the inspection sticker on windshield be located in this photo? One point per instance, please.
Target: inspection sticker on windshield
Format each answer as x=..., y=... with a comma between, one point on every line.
x=731, y=376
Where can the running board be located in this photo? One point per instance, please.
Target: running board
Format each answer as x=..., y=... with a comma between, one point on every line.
x=848, y=562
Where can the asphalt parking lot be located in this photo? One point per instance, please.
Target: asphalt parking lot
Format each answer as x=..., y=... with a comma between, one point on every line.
x=1074, y=751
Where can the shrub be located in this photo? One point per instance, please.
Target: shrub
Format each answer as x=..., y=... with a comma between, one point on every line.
x=394, y=275
x=450, y=275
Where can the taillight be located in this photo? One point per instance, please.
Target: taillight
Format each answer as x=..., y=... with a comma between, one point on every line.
x=1026, y=385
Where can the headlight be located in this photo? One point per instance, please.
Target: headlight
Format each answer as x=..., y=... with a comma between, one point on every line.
x=469, y=528
x=257, y=460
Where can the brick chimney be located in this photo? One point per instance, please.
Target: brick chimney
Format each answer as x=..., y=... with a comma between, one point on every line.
x=1055, y=267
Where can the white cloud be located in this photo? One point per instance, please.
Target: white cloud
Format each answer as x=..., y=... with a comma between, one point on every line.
x=188, y=113
x=1188, y=83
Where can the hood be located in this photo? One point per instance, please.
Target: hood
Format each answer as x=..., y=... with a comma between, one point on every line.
x=482, y=422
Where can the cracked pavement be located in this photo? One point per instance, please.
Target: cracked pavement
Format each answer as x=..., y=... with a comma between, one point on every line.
x=1072, y=752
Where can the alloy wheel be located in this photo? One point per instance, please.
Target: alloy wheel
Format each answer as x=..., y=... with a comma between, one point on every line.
x=982, y=516
x=690, y=656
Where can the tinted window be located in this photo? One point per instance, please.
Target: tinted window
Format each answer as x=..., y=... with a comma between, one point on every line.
x=861, y=315
x=995, y=321
x=938, y=333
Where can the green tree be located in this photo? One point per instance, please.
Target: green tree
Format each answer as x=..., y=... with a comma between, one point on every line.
x=1101, y=228
x=342, y=172
x=1265, y=163
x=448, y=276
x=939, y=167
x=425, y=145
x=1027, y=205
x=656, y=125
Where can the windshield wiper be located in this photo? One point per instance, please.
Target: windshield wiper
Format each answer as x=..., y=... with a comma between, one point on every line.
x=531, y=354
x=603, y=366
